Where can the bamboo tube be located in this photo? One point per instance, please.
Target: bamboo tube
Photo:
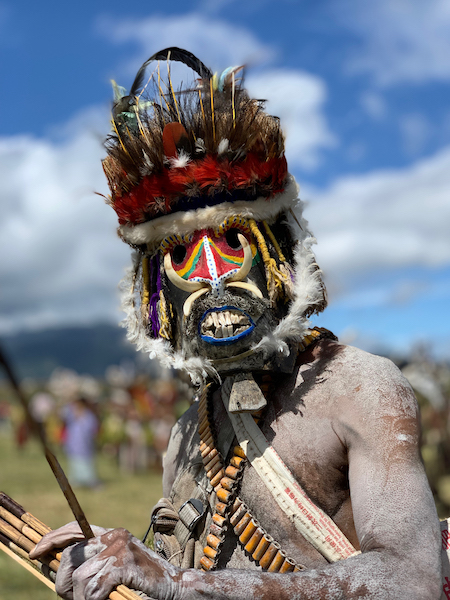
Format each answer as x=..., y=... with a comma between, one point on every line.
x=210, y=552
x=20, y=525
x=232, y=472
x=276, y=563
x=287, y=566
x=239, y=528
x=238, y=514
x=13, y=541
x=248, y=532
x=269, y=555
x=213, y=461
x=236, y=461
x=206, y=563
x=208, y=457
x=223, y=495
x=213, y=541
x=18, y=511
x=221, y=508
x=219, y=520
x=23, y=554
x=216, y=530
x=227, y=483
x=261, y=548
x=24, y=563
x=215, y=480
x=239, y=452
x=253, y=542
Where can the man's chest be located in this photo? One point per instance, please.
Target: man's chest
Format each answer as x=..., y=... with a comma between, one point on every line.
x=308, y=445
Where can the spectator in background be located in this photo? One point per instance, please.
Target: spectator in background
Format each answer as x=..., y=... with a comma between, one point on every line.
x=81, y=429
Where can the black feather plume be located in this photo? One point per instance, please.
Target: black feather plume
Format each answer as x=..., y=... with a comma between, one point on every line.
x=176, y=54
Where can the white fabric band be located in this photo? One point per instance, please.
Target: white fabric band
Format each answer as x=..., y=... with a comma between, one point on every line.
x=315, y=525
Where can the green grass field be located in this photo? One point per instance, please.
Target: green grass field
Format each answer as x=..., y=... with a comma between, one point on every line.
x=123, y=501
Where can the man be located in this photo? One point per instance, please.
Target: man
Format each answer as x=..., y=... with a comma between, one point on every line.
x=297, y=474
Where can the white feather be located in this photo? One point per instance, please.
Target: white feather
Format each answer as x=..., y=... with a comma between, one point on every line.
x=180, y=161
x=223, y=146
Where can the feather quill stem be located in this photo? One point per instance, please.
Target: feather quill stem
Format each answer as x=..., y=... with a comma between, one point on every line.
x=171, y=87
x=212, y=109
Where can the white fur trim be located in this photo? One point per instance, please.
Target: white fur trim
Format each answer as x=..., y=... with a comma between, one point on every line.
x=182, y=223
x=308, y=292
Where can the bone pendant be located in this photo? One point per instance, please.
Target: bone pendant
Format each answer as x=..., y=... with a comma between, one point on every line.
x=246, y=395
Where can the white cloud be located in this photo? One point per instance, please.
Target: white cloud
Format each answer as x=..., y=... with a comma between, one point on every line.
x=298, y=98
x=61, y=258
x=401, y=40
x=216, y=42
x=384, y=220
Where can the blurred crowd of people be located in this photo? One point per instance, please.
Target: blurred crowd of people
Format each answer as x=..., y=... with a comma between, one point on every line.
x=128, y=416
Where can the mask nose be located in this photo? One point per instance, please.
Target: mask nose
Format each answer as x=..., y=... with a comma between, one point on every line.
x=217, y=265
x=210, y=260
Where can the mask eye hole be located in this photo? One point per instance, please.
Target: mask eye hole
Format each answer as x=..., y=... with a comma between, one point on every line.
x=232, y=238
x=178, y=254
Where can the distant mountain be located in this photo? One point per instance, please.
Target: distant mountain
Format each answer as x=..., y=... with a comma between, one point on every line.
x=86, y=350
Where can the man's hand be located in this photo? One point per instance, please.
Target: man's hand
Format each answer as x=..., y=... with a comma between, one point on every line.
x=91, y=569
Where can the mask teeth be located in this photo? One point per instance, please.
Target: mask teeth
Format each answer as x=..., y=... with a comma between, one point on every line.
x=223, y=324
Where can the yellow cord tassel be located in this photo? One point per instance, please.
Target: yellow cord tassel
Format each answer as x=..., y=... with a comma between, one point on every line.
x=276, y=279
x=165, y=330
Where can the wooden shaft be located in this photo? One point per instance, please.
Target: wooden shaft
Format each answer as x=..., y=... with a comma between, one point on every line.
x=38, y=430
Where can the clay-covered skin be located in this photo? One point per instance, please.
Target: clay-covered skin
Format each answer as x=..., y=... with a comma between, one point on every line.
x=346, y=424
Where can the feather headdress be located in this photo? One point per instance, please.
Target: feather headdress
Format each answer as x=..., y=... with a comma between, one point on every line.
x=184, y=159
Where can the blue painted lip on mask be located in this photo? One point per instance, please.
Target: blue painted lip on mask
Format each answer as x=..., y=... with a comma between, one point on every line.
x=228, y=340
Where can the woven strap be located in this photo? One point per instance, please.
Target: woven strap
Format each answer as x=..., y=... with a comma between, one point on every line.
x=315, y=525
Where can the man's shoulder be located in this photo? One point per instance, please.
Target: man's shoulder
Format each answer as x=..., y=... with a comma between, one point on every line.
x=368, y=380
x=339, y=359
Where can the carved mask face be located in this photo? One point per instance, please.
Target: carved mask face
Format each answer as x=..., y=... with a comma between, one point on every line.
x=214, y=291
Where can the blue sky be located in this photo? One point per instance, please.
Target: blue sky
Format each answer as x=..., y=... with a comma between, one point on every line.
x=362, y=88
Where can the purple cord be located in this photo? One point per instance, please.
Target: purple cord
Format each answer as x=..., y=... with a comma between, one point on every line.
x=153, y=313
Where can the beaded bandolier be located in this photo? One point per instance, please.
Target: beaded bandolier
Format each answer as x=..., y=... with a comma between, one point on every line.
x=230, y=511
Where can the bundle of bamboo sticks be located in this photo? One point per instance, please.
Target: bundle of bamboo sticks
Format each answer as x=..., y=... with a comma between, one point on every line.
x=20, y=531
